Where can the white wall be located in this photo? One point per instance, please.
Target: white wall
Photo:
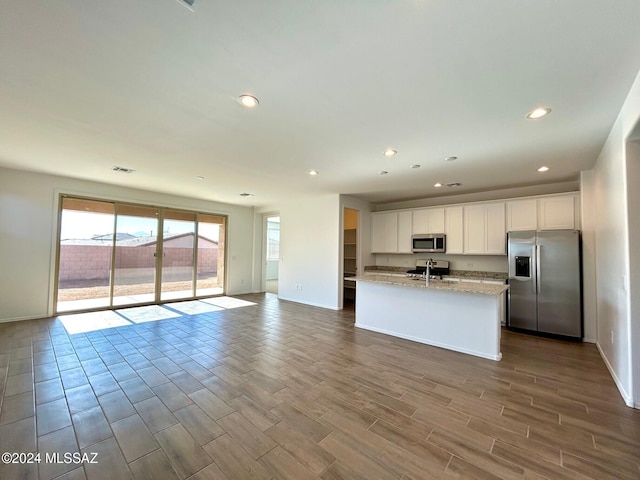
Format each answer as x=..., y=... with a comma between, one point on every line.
x=28, y=216
x=612, y=241
x=588, y=221
x=633, y=200
x=310, y=232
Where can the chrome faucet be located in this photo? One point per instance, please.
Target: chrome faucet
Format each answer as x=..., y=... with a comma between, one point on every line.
x=429, y=266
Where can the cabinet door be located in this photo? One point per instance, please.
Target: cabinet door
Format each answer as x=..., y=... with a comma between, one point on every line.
x=390, y=232
x=495, y=227
x=404, y=232
x=436, y=220
x=377, y=233
x=556, y=213
x=454, y=227
x=428, y=220
x=420, y=221
x=522, y=215
x=474, y=229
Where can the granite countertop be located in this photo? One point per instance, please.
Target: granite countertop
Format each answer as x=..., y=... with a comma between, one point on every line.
x=479, y=288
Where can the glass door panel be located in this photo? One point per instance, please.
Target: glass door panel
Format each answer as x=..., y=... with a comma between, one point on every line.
x=178, y=259
x=84, y=257
x=211, y=244
x=136, y=245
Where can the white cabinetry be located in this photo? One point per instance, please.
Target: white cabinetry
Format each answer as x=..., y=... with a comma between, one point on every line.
x=454, y=229
x=474, y=228
x=496, y=229
x=384, y=232
x=522, y=215
x=404, y=232
x=428, y=220
x=552, y=212
x=557, y=213
x=391, y=232
x=484, y=229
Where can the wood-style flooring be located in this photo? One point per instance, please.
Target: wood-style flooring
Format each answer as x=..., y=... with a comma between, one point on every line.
x=279, y=390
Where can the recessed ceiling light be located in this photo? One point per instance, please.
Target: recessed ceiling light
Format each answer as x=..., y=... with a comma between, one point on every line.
x=389, y=152
x=245, y=194
x=248, y=101
x=199, y=177
x=437, y=185
x=543, y=169
x=313, y=172
x=451, y=159
x=382, y=172
x=415, y=166
x=538, y=113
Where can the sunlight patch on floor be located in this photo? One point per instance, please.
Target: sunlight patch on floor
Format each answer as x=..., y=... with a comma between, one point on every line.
x=194, y=307
x=228, y=302
x=149, y=313
x=88, y=322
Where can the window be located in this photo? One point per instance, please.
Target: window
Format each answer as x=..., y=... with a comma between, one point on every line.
x=113, y=254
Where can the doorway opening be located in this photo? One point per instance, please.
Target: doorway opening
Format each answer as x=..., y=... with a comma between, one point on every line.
x=272, y=253
x=113, y=254
x=349, y=256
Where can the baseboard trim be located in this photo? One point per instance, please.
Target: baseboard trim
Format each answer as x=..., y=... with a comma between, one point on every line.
x=628, y=399
x=22, y=319
x=311, y=304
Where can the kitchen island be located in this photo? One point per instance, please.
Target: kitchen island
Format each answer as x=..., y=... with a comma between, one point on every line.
x=464, y=317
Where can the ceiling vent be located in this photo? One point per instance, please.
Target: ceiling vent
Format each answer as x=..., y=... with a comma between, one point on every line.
x=187, y=3
x=122, y=169
x=454, y=184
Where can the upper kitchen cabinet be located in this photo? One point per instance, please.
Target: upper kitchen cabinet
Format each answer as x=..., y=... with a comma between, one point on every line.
x=558, y=212
x=391, y=232
x=485, y=229
x=522, y=215
x=428, y=220
x=404, y=232
x=552, y=212
x=454, y=229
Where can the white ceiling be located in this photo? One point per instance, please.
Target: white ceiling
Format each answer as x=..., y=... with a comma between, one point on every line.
x=152, y=86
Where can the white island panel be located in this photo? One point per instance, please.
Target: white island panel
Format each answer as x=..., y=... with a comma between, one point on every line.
x=456, y=320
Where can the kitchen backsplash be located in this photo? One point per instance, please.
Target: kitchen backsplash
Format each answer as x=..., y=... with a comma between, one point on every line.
x=475, y=263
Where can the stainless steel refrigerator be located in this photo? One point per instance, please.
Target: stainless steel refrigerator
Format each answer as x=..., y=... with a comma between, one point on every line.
x=545, y=282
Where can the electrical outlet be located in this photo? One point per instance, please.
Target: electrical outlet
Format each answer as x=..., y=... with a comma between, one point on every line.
x=470, y=264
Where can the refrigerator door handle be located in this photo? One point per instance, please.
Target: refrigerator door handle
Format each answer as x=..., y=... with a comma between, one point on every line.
x=534, y=271
x=538, y=268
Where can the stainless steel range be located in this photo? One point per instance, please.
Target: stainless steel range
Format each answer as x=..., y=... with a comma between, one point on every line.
x=437, y=270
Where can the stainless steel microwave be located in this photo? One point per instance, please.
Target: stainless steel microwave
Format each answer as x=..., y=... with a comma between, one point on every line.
x=429, y=242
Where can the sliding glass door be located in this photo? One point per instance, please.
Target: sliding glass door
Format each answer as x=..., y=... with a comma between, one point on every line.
x=178, y=249
x=85, y=250
x=112, y=254
x=210, y=247
x=135, y=253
